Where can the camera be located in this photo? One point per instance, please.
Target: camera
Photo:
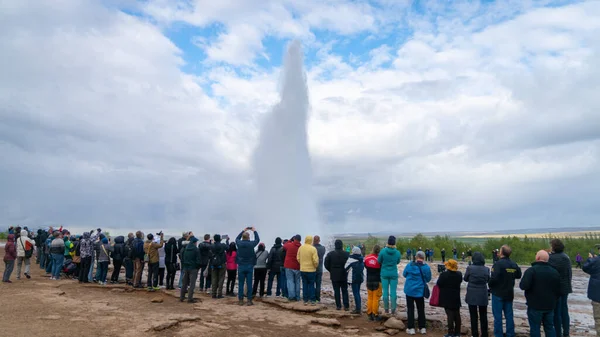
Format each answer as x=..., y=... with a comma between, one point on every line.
x=159, y=233
x=249, y=228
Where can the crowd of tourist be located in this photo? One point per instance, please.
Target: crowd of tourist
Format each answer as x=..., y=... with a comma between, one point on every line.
x=295, y=270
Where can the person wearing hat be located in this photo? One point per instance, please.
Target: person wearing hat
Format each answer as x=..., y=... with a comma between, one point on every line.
x=190, y=263
x=389, y=258
x=449, y=284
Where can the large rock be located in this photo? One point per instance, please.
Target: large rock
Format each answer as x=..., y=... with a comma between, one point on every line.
x=394, y=323
x=326, y=321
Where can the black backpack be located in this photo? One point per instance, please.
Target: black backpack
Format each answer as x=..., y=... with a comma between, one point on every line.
x=218, y=258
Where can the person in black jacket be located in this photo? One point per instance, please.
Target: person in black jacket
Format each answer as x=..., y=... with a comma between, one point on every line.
x=118, y=254
x=217, y=266
x=171, y=252
x=592, y=267
x=335, y=263
x=562, y=263
x=502, y=283
x=478, y=276
x=274, y=264
x=205, y=248
x=449, y=284
x=541, y=284
x=128, y=259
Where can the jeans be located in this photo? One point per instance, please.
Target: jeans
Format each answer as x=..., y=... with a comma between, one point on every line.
x=208, y=283
x=202, y=279
x=103, y=271
x=389, y=285
x=161, y=276
x=478, y=314
x=272, y=276
x=283, y=278
x=48, y=263
x=341, y=287
x=38, y=258
x=57, y=263
x=85, y=269
x=259, y=281
x=128, y=269
x=453, y=316
x=410, y=308
x=188, y=279
x=561, y=317
x=293, y=283
x=8, y=268
x=318, y=282
x=231, y=276
x=20, y=260
x=180, y=285
x=43, y=259
x=245, y=273
x=455, y=256
x=308, y=286
x=116, y=270
x=91, y=272
x=356, y=294
x=538, y=317
x=152, y=275
x=373, y=300
x=500, y=306
x=217, y=280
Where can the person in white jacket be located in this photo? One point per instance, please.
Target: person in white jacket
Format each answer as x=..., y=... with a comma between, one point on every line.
x=24, y=243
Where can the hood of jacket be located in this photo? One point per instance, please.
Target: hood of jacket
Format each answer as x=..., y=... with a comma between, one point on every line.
x=24, y=233
x=120, y=239
x=308, y=240
x=390, y=250
x=86, y=235
x=339, y=244
x=478, y=259
x=11, y=238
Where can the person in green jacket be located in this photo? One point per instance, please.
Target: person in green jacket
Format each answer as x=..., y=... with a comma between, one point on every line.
x=190, y=263
x=389, y=257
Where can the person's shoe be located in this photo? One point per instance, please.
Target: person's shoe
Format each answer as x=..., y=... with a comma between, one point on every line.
x=250, y=303
x=156, y=288
x=220, y=296
x=193, y=300
x=346, y=309
x=181, y=299
x=393, y=311
x=214, y=296
x=306, y=303
x=387, y=311
x=371, y=317
x=377, y=318
x=423, y=331
x=9, y=281
x=18, y=277
x=28, y=276
x=241, y=302
x=313, y=303
x=338, y=309
x=150, y=289
x=410, y=331
x=356, y=312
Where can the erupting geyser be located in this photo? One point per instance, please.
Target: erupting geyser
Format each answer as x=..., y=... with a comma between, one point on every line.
x=282, y=167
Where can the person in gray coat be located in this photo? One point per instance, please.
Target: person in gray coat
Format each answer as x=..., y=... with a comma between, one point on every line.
x=478, y=275
x=319, y=279
x=260, y=270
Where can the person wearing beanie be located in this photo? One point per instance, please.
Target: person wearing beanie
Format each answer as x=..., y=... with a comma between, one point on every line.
x=335, y=263
x=218, y=266
x=389, y=258
x=355, y=268
x=190, y=263
x=205, y=248
x=417, y=275
x=246, y=260
x=274, y=265
x=103, y=252
x=449, y=285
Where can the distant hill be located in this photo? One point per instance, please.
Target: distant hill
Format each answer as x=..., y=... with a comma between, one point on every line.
x=526, y=231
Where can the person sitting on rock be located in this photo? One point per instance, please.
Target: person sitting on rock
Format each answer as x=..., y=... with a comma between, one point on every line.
x=449, y=284
x=373, y=284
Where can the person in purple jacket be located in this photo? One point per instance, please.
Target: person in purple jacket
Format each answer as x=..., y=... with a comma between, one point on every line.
x=578, y=259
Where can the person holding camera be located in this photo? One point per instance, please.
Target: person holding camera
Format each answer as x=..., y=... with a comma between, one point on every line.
x=153, y=259
x=246, y=260
x=190, y=263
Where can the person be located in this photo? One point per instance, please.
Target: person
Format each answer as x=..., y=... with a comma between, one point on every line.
x=231, y=256
x=151, y=250
x=502, y=283
x=443, y=251
x=542, y=286
x=308, y=258
x=449, y=285
x=161, y=266
x=562, y=263
x=454, y=253
x=181, y=243
x=408, y=254
x=260, y=271
x=592, y=268
x=274, y=264
x=417, y=275
x=373, y=284
x=319, y=276
x=86, y=249
x=171, y=252
x=48, y=265
x=218, y=261
x=246, y=260
x=103, y=254
x=478, y=276
x=355, y=268
x=127, y=259
x=469, y=256
x=292, y=268
x=10, y=254
x=578, y=260
x=205, y=248
x=76, y=256
x=389, y=259
x=57, y=250
x=24, y=253
x=118, y=254
x=40, y=239
x=190, y=263
x=138, y=259
x=335, y=263
x=495, y=256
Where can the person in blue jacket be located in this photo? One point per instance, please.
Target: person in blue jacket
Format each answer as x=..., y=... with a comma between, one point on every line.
x=417, y=275
x=592, y=267
x=389, y=257
x=246, y=260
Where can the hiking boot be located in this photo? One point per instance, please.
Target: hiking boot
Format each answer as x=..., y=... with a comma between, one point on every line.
x=346, y=309
x=423, y=331
x=220, y=296
x=193, y=300
x=250, y=303
x=377, y=318
x=356, y=312
x=371, y=317
x=241, y=302
x=181, y=299
x=28, y=276
x=156, y=288
x=313, y=303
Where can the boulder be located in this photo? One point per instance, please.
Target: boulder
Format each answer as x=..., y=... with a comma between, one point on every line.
x=61, y=293
x=157, y=300
x=326, y=322
x=380, y=328
x=394, y=323
x=392, y=332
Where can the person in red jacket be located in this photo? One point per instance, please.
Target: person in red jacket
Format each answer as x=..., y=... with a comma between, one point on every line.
x=374, y=289
x=292, y=268
x=10, y=254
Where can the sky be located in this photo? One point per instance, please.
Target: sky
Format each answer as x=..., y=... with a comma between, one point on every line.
x=424, y=115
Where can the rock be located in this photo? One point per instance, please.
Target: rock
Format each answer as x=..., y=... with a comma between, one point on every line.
x=157, y=300
x=326, y=321
x=380, y=328
x=394, y=323
x=61, y=293
x=351, y=331
x=392, y=332
x=464, y=330
x=350, y=327
x=118, y=290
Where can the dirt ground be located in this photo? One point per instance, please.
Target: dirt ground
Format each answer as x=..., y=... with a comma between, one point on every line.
x=41, y=307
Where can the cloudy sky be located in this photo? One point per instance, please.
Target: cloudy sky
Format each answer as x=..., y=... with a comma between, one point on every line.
x=425, y=115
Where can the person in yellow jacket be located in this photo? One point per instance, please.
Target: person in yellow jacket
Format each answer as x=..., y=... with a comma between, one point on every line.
x=309, y=261
x=151, y=249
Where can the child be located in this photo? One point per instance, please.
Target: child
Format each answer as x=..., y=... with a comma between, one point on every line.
x=355, y=268
x=374, y=288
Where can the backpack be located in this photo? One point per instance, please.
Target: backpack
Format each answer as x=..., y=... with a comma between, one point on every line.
x=138, y=247
x=117, y=253
x=218, y=258
x=126, y=251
